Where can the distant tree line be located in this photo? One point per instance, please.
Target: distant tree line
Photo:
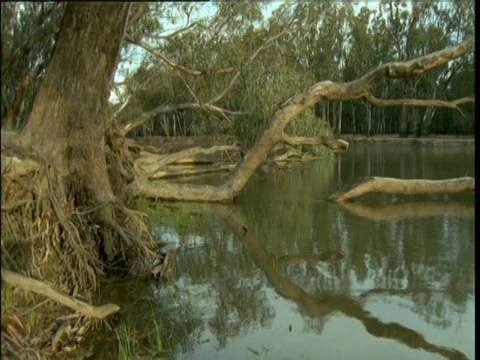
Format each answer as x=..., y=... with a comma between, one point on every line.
x=225, y=73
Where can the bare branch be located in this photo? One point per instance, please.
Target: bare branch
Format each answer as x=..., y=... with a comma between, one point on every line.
x=454, y=104
x=325, y=90
x=133, y=18
x=170, y=62
x=401, y=186
x=188, y=87
x=124, y=105
x=165, y=109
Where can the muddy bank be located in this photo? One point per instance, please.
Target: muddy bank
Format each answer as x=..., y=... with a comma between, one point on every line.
x=434, y=140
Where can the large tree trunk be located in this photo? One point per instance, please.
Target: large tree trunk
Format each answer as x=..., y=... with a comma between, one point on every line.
x=71, y=105
x=67, y=122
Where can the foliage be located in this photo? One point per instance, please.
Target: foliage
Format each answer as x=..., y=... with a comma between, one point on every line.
x=325, y=40
x=29, y=31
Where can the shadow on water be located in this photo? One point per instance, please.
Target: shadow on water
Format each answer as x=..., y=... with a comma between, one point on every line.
x=285, y=275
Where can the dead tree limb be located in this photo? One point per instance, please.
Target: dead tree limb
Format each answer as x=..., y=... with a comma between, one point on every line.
x=401, y=186
x=324, y=90
x=154, y=166
x=39, y=287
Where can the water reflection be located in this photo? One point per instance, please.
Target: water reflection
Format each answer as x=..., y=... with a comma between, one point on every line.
x=285, y=274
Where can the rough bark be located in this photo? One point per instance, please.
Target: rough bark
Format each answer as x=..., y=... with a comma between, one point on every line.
x=78, y=80
x=325, y=90
x=401, y=186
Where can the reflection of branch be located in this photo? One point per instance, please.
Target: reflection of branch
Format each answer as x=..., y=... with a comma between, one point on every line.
x=388, y=185
x=409, y=210
x=320, y=307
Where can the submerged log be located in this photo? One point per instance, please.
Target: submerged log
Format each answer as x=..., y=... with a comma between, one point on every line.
x=402, y=186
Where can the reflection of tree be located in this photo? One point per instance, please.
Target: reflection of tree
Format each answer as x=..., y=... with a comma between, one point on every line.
x=223, y=291
x=327, y=304
x=220, y=287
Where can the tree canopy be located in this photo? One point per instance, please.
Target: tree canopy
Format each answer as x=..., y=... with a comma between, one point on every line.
x=225, y=67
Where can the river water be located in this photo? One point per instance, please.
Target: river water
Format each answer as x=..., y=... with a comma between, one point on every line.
x=285, y=274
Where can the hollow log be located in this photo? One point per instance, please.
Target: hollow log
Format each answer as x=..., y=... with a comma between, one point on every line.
x=388, y=185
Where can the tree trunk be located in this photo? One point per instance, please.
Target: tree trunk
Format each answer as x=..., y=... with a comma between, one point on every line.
x=67, y=124
x=71, y=105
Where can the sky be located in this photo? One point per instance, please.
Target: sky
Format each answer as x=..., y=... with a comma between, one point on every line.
x=206, y=10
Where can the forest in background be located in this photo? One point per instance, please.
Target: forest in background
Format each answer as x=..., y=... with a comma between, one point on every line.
x=224, y=68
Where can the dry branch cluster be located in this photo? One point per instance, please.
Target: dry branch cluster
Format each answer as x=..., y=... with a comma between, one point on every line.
x=47, y=235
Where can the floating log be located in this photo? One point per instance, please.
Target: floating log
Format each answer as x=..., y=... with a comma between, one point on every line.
x=388, y=185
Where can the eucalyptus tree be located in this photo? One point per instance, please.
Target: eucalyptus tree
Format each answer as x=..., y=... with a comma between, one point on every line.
x=360, y=43
x=448, y=23
x=197, y=76
x=28, y=30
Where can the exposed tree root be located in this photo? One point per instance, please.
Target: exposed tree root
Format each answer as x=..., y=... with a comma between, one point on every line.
x=29, y=284
x=66, y=239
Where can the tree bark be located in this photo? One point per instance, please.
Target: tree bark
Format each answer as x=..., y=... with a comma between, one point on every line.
x=401, y=186
x=68, y=120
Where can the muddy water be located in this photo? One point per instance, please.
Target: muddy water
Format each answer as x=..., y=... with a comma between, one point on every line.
x=287, y=275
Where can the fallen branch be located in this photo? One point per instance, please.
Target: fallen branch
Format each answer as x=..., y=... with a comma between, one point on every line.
x=39, y=287
x=193, y=170
x=334, y=144
x=401, y=186
x=324, y=90
x=150, y=164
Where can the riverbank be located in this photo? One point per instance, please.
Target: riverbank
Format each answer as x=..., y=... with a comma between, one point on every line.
x=433, y=140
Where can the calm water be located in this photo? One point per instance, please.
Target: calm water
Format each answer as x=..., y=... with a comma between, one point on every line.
x=258, y=281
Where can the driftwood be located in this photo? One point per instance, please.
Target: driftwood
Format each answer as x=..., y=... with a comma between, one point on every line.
x=39, y=287
x=387, y=185
x=155, y=166
x=191, y=170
